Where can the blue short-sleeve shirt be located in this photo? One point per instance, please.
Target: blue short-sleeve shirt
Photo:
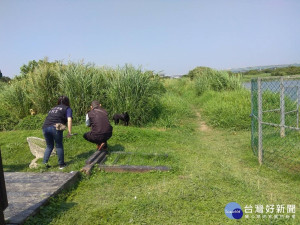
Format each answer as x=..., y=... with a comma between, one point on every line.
x=69, y=113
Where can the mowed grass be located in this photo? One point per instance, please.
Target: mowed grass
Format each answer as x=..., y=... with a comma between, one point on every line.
x=209, y=169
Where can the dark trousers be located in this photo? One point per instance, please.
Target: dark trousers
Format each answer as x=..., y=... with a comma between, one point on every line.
x=53, y=136
x=97, y=138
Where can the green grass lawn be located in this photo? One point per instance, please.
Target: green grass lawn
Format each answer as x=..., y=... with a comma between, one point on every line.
x=209, y=169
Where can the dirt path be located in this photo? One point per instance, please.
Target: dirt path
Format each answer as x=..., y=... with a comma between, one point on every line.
x=202, y=125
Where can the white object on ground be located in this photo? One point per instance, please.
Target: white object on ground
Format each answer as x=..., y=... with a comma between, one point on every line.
x=37, y=147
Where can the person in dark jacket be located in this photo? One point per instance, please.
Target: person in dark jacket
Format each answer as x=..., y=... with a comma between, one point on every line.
x=53, y=128
x=101, y=130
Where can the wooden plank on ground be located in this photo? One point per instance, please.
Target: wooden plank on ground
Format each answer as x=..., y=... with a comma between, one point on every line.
x=127, y=168
x=92, y=157
x=139, y=154
x=88, y=168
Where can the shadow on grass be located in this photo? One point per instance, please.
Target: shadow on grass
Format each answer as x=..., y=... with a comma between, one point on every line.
x=49, y=212
x=56, y=206
x=15, y=168
x=84, y=156
x=116, y=148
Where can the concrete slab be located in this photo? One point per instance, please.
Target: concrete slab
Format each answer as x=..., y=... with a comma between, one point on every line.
x=27, y=192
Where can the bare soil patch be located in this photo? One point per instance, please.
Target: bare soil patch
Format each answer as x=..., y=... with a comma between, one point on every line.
x=202, y=125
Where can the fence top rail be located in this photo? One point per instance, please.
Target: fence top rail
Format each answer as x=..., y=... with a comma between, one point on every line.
x=276, y=78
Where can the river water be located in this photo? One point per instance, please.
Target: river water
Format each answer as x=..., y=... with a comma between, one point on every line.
x=291, y=87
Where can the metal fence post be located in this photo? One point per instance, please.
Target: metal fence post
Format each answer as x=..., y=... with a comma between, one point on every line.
x=297, y=107
x=251, y=115
x=282, y=109
x=260, y=140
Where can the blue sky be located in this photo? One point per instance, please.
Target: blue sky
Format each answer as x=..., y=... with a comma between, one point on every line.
x=168, y=36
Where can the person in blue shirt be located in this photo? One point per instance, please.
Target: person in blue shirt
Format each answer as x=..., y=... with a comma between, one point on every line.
x=57, y=118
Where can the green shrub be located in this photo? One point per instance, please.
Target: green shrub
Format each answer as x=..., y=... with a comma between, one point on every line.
x=202, y=84
x=82, y=84
x=42, y=87
x=7, y=120
x=198, y=71
x=31, y=122
x=100, y=84
x=13, y=99
x=2, y=84
x=118, y=90
x=135, y=92
x=209, y=79
x=253, y=72
x=278, y=73
x=228, y=109
x=290, y=70
x=37, y=90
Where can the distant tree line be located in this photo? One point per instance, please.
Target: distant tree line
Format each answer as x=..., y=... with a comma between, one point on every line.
x=283, y=71
x=3, y=78
x=29, y=68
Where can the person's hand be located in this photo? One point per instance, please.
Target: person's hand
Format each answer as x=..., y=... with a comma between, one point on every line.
x=70, y=135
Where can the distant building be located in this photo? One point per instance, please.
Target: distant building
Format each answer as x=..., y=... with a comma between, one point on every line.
x=176, y=76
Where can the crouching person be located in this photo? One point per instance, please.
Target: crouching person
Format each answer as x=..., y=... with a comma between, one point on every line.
x=101, y=130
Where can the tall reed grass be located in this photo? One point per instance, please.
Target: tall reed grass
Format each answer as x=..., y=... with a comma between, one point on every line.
x=135, y=92
x=118, y=90
x=76, y=82
x=13, y=99
x=42, y=87
x=209, y=79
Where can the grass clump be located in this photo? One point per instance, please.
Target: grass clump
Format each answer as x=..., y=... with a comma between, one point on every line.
x=38, y=90
x=209, y=79
x=78, y=81
x=31, y=122
x=7, y=121
x=135, y=92
x=42, y=87
x=228, y=109
x=13, y=99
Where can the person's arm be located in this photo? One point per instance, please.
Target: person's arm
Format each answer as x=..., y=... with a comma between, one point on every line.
x=69, y=126
x=69, y=117
x=87, y=120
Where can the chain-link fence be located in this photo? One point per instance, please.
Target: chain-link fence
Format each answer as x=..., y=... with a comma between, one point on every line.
x=275, y=132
